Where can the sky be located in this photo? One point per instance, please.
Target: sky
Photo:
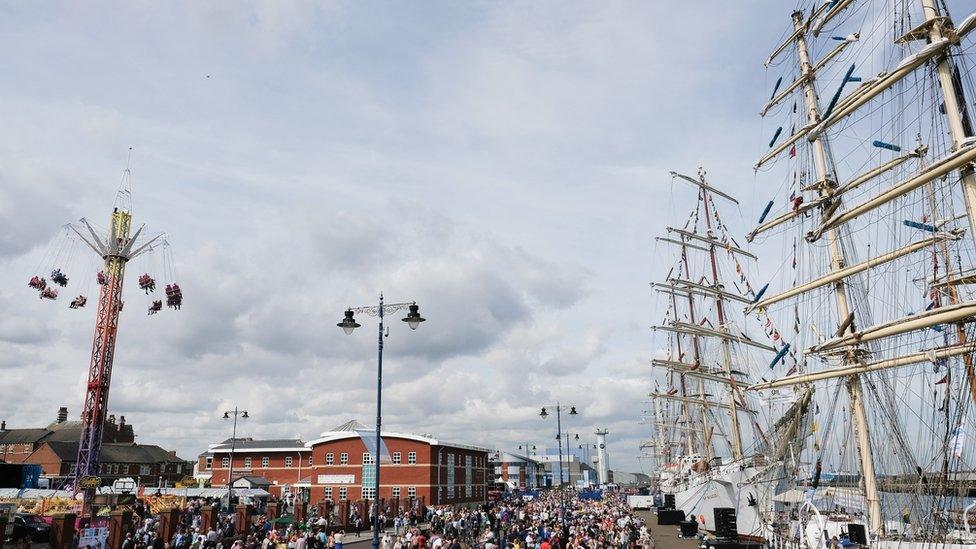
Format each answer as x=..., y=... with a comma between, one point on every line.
x=503, y=164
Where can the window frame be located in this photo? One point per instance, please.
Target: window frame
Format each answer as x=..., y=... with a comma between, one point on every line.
x=208, y=463
x=344, y=458
x=265, y=462
x=396, y=457
x=248, y=462
x=289, y=461
x=225, y=462
x=411, y=491
x=328, y=493
x=395, y=491
x=330, y=458
x=343, y=493
x=411, y=458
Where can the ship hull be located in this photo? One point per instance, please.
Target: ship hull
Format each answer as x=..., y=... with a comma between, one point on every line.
x=737, y=486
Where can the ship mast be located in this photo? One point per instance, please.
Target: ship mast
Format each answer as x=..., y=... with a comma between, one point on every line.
x=726, y=354
x=838, y=262
x=959, y=128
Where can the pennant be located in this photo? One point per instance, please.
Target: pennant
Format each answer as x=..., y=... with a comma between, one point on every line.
x=943, y=380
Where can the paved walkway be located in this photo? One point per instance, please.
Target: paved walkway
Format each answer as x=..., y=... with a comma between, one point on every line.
x=666, y=537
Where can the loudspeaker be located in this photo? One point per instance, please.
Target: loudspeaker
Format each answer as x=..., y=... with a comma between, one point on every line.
x=669, y=501
x=725, y=523
x=857, y=533
x=689, y=528
x=670, y=517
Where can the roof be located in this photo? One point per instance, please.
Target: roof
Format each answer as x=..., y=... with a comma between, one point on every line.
x=348, y=430
x=21, y=436
x=117, y=452
x=350, y=425
x=253, y=481
x=249, y=444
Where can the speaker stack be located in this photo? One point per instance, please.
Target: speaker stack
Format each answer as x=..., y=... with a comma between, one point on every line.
x=670, y=517
x=725, y=526
x=689, y=528
x=857, y=533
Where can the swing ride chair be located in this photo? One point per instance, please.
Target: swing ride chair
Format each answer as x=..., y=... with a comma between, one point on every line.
x=121, y=249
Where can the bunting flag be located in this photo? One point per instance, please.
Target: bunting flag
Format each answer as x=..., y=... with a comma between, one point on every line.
x=958, y=440
x=945, y=379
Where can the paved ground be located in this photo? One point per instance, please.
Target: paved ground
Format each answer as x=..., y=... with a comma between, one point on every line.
x=666, y=537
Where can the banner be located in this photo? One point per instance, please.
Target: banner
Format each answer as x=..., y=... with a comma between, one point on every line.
x=369, y=439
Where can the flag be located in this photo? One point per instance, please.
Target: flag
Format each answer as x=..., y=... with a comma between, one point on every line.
x=369, y=440
x=943, y=380
x=958, y=439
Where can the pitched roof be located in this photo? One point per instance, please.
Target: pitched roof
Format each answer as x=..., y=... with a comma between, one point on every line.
x=21, y=436
x=350, y=425
x=116, y=452
x=270, y=445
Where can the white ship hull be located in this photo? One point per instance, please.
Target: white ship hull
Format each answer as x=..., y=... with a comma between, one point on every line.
x=733, y=485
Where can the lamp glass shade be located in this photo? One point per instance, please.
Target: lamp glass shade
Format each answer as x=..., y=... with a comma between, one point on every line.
x=413, y=318
x=348, y=323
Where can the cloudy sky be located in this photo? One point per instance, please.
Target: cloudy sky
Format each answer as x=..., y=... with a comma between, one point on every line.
x=504, y=164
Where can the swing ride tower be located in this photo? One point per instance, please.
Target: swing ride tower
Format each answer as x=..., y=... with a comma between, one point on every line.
x=117, y=248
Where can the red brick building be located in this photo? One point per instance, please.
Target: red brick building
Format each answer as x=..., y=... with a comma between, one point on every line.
x=338, y=466
x=16, y=445
x=284, y=463
x=147, y=464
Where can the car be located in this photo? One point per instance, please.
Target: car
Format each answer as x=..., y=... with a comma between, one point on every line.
x=27, y=526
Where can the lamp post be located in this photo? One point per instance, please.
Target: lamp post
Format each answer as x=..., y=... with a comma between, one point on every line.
x=529, y=451
x=348, y=324
x=233, y=446
x=559, y=437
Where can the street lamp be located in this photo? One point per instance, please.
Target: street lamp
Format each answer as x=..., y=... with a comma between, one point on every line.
x=529, y=450
x=233, y=446
x=559, y=437
x=348, y=324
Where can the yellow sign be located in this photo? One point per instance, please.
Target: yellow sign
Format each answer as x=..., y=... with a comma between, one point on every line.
x=89, y=482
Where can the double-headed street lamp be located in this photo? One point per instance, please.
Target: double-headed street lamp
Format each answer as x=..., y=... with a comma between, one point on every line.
x=233, y=446
x=559, y=437
x=348, y=324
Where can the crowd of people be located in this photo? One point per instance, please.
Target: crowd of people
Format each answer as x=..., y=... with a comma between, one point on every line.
x=551, y=520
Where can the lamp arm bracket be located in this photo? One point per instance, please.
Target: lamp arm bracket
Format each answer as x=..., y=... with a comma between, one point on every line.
x=374, y=310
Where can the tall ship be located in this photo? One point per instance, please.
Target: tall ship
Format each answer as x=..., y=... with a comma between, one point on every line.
x=869, y=210
x=716, y=444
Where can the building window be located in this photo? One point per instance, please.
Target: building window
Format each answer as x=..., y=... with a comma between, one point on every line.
x=367, y=458
x=143, y=469
x=396, y=457
x=450, y=476
x=343, y=459
x=225, y=462
x=265, y=461
x=209, y=464
x=309, y=460
x=343, y=492
x=288, y=461
x=412, y=492
x=247, y=463
x=329, y=458
x=396, y=491
x=412, y=458
x=369, y=493
x=328, y=493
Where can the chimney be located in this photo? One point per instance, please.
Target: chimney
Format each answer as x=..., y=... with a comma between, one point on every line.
x=111, y=419
x=3, y=425
x=62, y=414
